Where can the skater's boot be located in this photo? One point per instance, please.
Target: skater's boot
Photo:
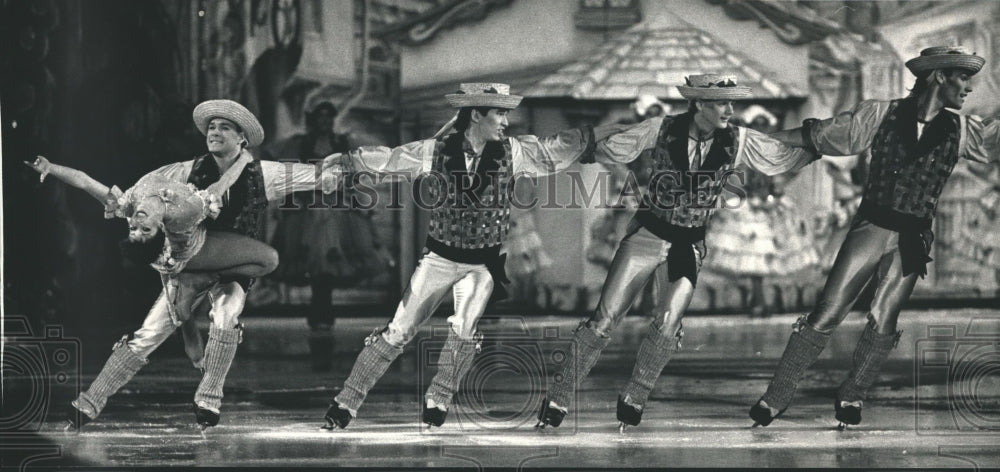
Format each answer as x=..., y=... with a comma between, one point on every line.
x=870, y=354
x=629, y=414
x=847, y=413
x=762, y=414
x=589, y=345
x=654, y=353
x=118, y=371
x=337, y=417
x=804, y=346
x=432, y=415
x=550, y=414
x=453, y=365
x=75, y=418
x=370, y=366
x=205, y=418
x=219, y=353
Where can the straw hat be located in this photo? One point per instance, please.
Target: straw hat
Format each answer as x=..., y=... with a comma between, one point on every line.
x=713, y=87
x=232, y=111
x=945, y=57
x=484, y=95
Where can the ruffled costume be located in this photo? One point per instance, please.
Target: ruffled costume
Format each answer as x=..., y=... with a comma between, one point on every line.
x=185, y=208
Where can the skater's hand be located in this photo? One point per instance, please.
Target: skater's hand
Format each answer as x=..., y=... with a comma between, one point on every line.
x=40, y=165
x=333, y=178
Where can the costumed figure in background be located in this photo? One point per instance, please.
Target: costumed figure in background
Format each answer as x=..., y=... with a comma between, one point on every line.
x=914, y=143
x=322, y=242
x=229, y=128
x=645, y=107
x=770, y=237
x=469, y=173
x=526, y=255
x=693, y=156
x=977, y=240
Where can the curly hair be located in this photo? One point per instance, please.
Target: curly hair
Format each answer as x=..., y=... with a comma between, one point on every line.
x=142, y=252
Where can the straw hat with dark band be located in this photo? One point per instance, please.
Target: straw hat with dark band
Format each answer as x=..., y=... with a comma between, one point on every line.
x=484, y=95
x=713, y=87
x=945, y=57
x=232, y=111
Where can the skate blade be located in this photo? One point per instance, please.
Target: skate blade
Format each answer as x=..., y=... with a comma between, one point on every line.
x=541, y=425
x=841, y=426
x=756, y=424
x=621, y=428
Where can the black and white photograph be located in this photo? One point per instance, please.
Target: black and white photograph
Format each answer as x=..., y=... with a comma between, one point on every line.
x=500, y=234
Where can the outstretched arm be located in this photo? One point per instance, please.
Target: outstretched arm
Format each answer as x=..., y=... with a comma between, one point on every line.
x=846, y=134
x=980, y=139
x=408, y=161
x=768, y=155
x=791, y=137
x=71, y=176
x=540, y=156
x=626, y=145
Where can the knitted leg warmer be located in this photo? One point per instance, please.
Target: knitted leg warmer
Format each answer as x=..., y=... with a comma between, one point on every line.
x=219, y=353
x=804, y=346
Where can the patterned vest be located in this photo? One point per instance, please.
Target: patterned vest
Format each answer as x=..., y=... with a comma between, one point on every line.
x=477, y=218
x=245, y=203
x=908, y=175
x=669, y=197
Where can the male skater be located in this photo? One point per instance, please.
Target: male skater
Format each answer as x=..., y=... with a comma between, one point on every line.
x=694, y=153
x=470, y=174
x=229, y=128
x=915, y=143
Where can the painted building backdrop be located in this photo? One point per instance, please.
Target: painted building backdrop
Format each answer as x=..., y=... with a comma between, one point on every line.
x=108, y=85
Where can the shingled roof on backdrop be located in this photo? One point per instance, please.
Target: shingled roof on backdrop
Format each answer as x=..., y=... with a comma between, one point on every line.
x=642, y=60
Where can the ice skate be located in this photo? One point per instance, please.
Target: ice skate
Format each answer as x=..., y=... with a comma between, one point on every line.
x=433, y=416
x=75, y=419
x=628, y=415
x=760, y=413
x=336, y=417
x=549, y=415
x=847, y=413
x=205, y=418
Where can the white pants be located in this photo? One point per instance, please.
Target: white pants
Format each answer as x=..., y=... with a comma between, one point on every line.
x=227, y=304
x=471, y=286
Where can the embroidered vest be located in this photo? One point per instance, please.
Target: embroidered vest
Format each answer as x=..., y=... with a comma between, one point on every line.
x=477, y=218
x=669, y=197
x=908, y=175
x=243, y=206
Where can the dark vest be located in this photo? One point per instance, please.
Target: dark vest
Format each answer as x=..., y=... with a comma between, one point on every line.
x=669, y=197
x=474, y=219
x=670, y=210
x=243, y=206
x=907, y=175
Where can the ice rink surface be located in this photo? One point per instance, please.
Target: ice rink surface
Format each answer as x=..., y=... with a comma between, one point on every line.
x=937, y=405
